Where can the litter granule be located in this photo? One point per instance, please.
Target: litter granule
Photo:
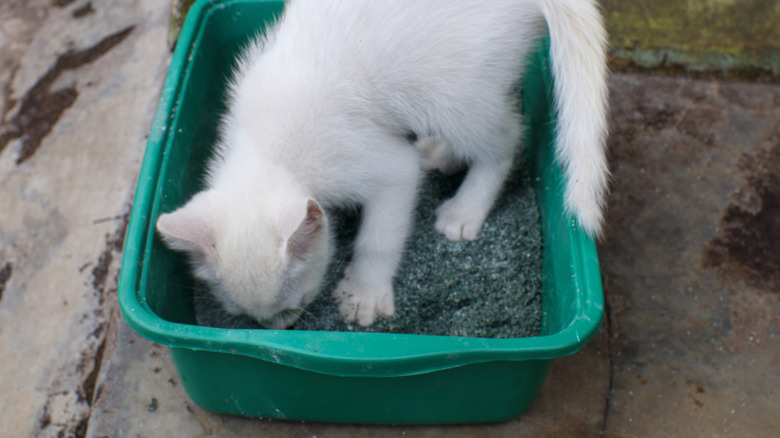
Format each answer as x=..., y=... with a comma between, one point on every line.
x=487, y=288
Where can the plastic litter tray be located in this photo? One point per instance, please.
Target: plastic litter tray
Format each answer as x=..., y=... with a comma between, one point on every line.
x=336, y=376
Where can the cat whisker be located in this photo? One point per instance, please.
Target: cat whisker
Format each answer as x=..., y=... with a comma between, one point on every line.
x=305, y=319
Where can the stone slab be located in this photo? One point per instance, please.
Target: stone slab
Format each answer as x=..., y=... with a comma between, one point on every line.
x=80, y=82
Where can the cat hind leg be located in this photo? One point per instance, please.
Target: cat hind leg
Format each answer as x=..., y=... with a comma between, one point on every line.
x=462, y=216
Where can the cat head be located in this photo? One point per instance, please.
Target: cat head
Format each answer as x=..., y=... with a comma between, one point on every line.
x=264, y=260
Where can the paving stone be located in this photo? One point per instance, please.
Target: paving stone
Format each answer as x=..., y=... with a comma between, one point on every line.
x=692, y=320
x=79, y=93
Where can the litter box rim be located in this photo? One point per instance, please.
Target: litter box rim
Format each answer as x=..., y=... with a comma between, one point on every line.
x=335, y=353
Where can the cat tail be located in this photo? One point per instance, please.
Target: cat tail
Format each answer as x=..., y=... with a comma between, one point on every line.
x=578, y=54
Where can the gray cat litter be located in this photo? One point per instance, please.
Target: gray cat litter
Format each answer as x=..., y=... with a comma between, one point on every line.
x=487, y=288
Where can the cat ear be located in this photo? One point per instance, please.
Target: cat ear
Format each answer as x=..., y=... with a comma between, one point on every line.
x=186, y=229
x=309, y=228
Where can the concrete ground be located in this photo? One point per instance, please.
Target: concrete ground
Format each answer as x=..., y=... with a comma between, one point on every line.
x=690, y=261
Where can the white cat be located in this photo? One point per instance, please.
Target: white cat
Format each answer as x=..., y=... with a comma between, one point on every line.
x=319, y=117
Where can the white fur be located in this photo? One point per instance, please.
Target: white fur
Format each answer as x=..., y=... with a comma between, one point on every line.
x=319, y=113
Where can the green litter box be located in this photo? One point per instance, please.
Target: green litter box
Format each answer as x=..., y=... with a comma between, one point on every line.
x=336, y=376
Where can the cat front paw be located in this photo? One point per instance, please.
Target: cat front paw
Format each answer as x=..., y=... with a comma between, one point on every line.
x=458, y=221
x=362, y=304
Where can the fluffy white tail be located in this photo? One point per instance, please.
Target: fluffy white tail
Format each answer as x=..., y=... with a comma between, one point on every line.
x=577, y=51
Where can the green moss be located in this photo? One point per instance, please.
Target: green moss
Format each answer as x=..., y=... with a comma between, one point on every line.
x=700, y=34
